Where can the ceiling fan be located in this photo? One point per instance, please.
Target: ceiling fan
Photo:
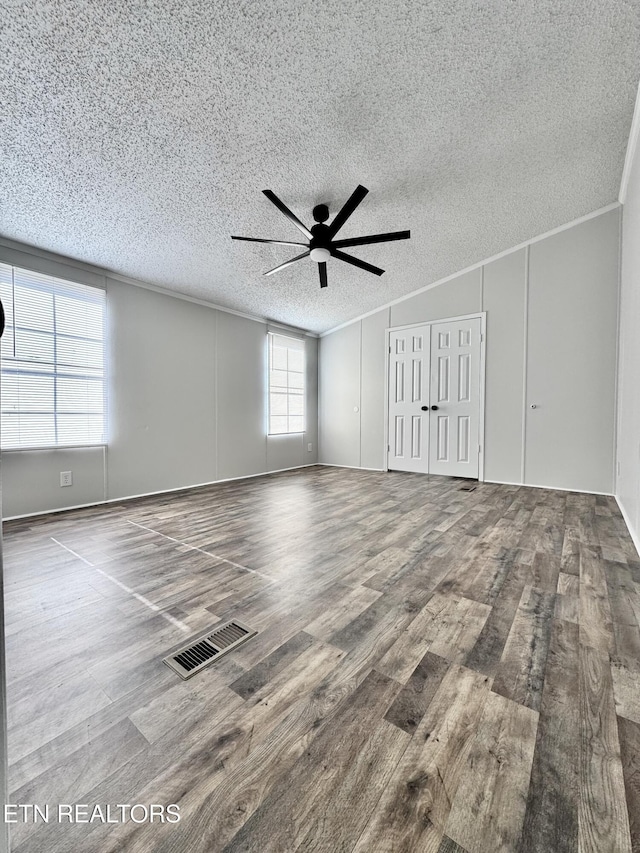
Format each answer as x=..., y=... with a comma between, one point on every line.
x=321, y=246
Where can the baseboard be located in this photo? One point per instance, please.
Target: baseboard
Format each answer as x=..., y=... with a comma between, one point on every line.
x=352, y=467
x=497, y=482
x=635, y=537
x=549, y=488
x=154, y=494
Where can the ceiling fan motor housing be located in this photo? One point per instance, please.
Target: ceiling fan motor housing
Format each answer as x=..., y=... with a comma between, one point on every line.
x=321, y=235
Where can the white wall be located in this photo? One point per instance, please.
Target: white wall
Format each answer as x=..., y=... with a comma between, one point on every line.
x=551, y=323
x=161, y=357
x=339, y=396
x=628, y=480
x=186, y=402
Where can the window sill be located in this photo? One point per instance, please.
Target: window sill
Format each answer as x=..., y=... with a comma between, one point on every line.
x=52, y=447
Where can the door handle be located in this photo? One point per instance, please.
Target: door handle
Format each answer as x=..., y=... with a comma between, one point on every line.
x=434, y=408
x=425, y=408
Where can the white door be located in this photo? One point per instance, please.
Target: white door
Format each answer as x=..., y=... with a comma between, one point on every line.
x=454, y=399
x=409, y=400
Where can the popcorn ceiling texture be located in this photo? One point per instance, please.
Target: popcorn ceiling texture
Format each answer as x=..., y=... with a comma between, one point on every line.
x=138, y=135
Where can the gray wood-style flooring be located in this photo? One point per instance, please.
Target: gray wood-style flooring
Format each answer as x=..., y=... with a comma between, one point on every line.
x=435, y=670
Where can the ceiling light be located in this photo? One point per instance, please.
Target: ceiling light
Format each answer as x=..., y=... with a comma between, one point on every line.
x=320, y=255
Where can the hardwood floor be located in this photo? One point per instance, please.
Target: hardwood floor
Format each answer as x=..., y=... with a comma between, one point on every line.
x=435, y=670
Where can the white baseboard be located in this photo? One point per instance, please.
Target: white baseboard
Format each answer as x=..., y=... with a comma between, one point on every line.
x=549, y=488
x=352, y=467
x=497, y=482
x=154, y=494
x=635, y=536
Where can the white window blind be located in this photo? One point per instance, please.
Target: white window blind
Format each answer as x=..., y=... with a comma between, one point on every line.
x=286, y=384
x=52, y=361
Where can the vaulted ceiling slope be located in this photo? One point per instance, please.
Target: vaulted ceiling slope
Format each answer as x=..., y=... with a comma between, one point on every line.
x=138, y=135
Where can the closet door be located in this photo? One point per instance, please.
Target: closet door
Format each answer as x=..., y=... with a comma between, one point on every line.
x=571, y=358
x=408, y=448
x=454, y=404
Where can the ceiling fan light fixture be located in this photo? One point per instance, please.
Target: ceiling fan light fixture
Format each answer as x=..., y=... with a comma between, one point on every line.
x=320, y=255
x=321, y=244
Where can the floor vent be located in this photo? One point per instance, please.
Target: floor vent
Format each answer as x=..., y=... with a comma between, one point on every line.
x=208, y=647
x=467, y=489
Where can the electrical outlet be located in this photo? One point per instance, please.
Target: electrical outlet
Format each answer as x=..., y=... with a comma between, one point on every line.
x=309, y=447
x=66, y=478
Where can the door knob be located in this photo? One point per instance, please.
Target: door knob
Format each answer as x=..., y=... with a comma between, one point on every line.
x=434, y=408
x=425, y=408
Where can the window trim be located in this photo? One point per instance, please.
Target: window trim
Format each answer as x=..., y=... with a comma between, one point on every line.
x=301, y=346
x=65, y=371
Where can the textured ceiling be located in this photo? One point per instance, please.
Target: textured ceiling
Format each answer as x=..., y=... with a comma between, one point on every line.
x=138, y=135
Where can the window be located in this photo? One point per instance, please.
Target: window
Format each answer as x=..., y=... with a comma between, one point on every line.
x=52, y=361
x=286, y=384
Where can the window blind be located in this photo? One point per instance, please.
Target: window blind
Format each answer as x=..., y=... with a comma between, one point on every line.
x=286, y=384
x=53, y=390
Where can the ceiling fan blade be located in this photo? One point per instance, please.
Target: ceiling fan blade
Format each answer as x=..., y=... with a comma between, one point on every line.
x=373, y=238
x=290, y=216
x=322, y=267
x=349, y=206
x=286, y=263
x=356, y=262
x=276, y=242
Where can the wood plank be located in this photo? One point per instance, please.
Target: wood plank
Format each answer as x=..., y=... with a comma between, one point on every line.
x=413, y=810
x=412, y=702
x=449, y=846
x=521, y=672
x=596, y=629
x=629, y=735
x=185, y=701
x=603, y=825
x=36, y=719
x=486, y=653
x=408, y=650
x=568, y=598
x=344, y=612
x=82, y=770
x=384, y=565
x=488, y=581
x=568, y=584
x=568, y=608
x=488, y=807
x=460, y=630
x=624, y=598
x=551, y=818
x=625, y=674
x=545, y=571
x=259, y=675
x=298, y=802
x=348, y=807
